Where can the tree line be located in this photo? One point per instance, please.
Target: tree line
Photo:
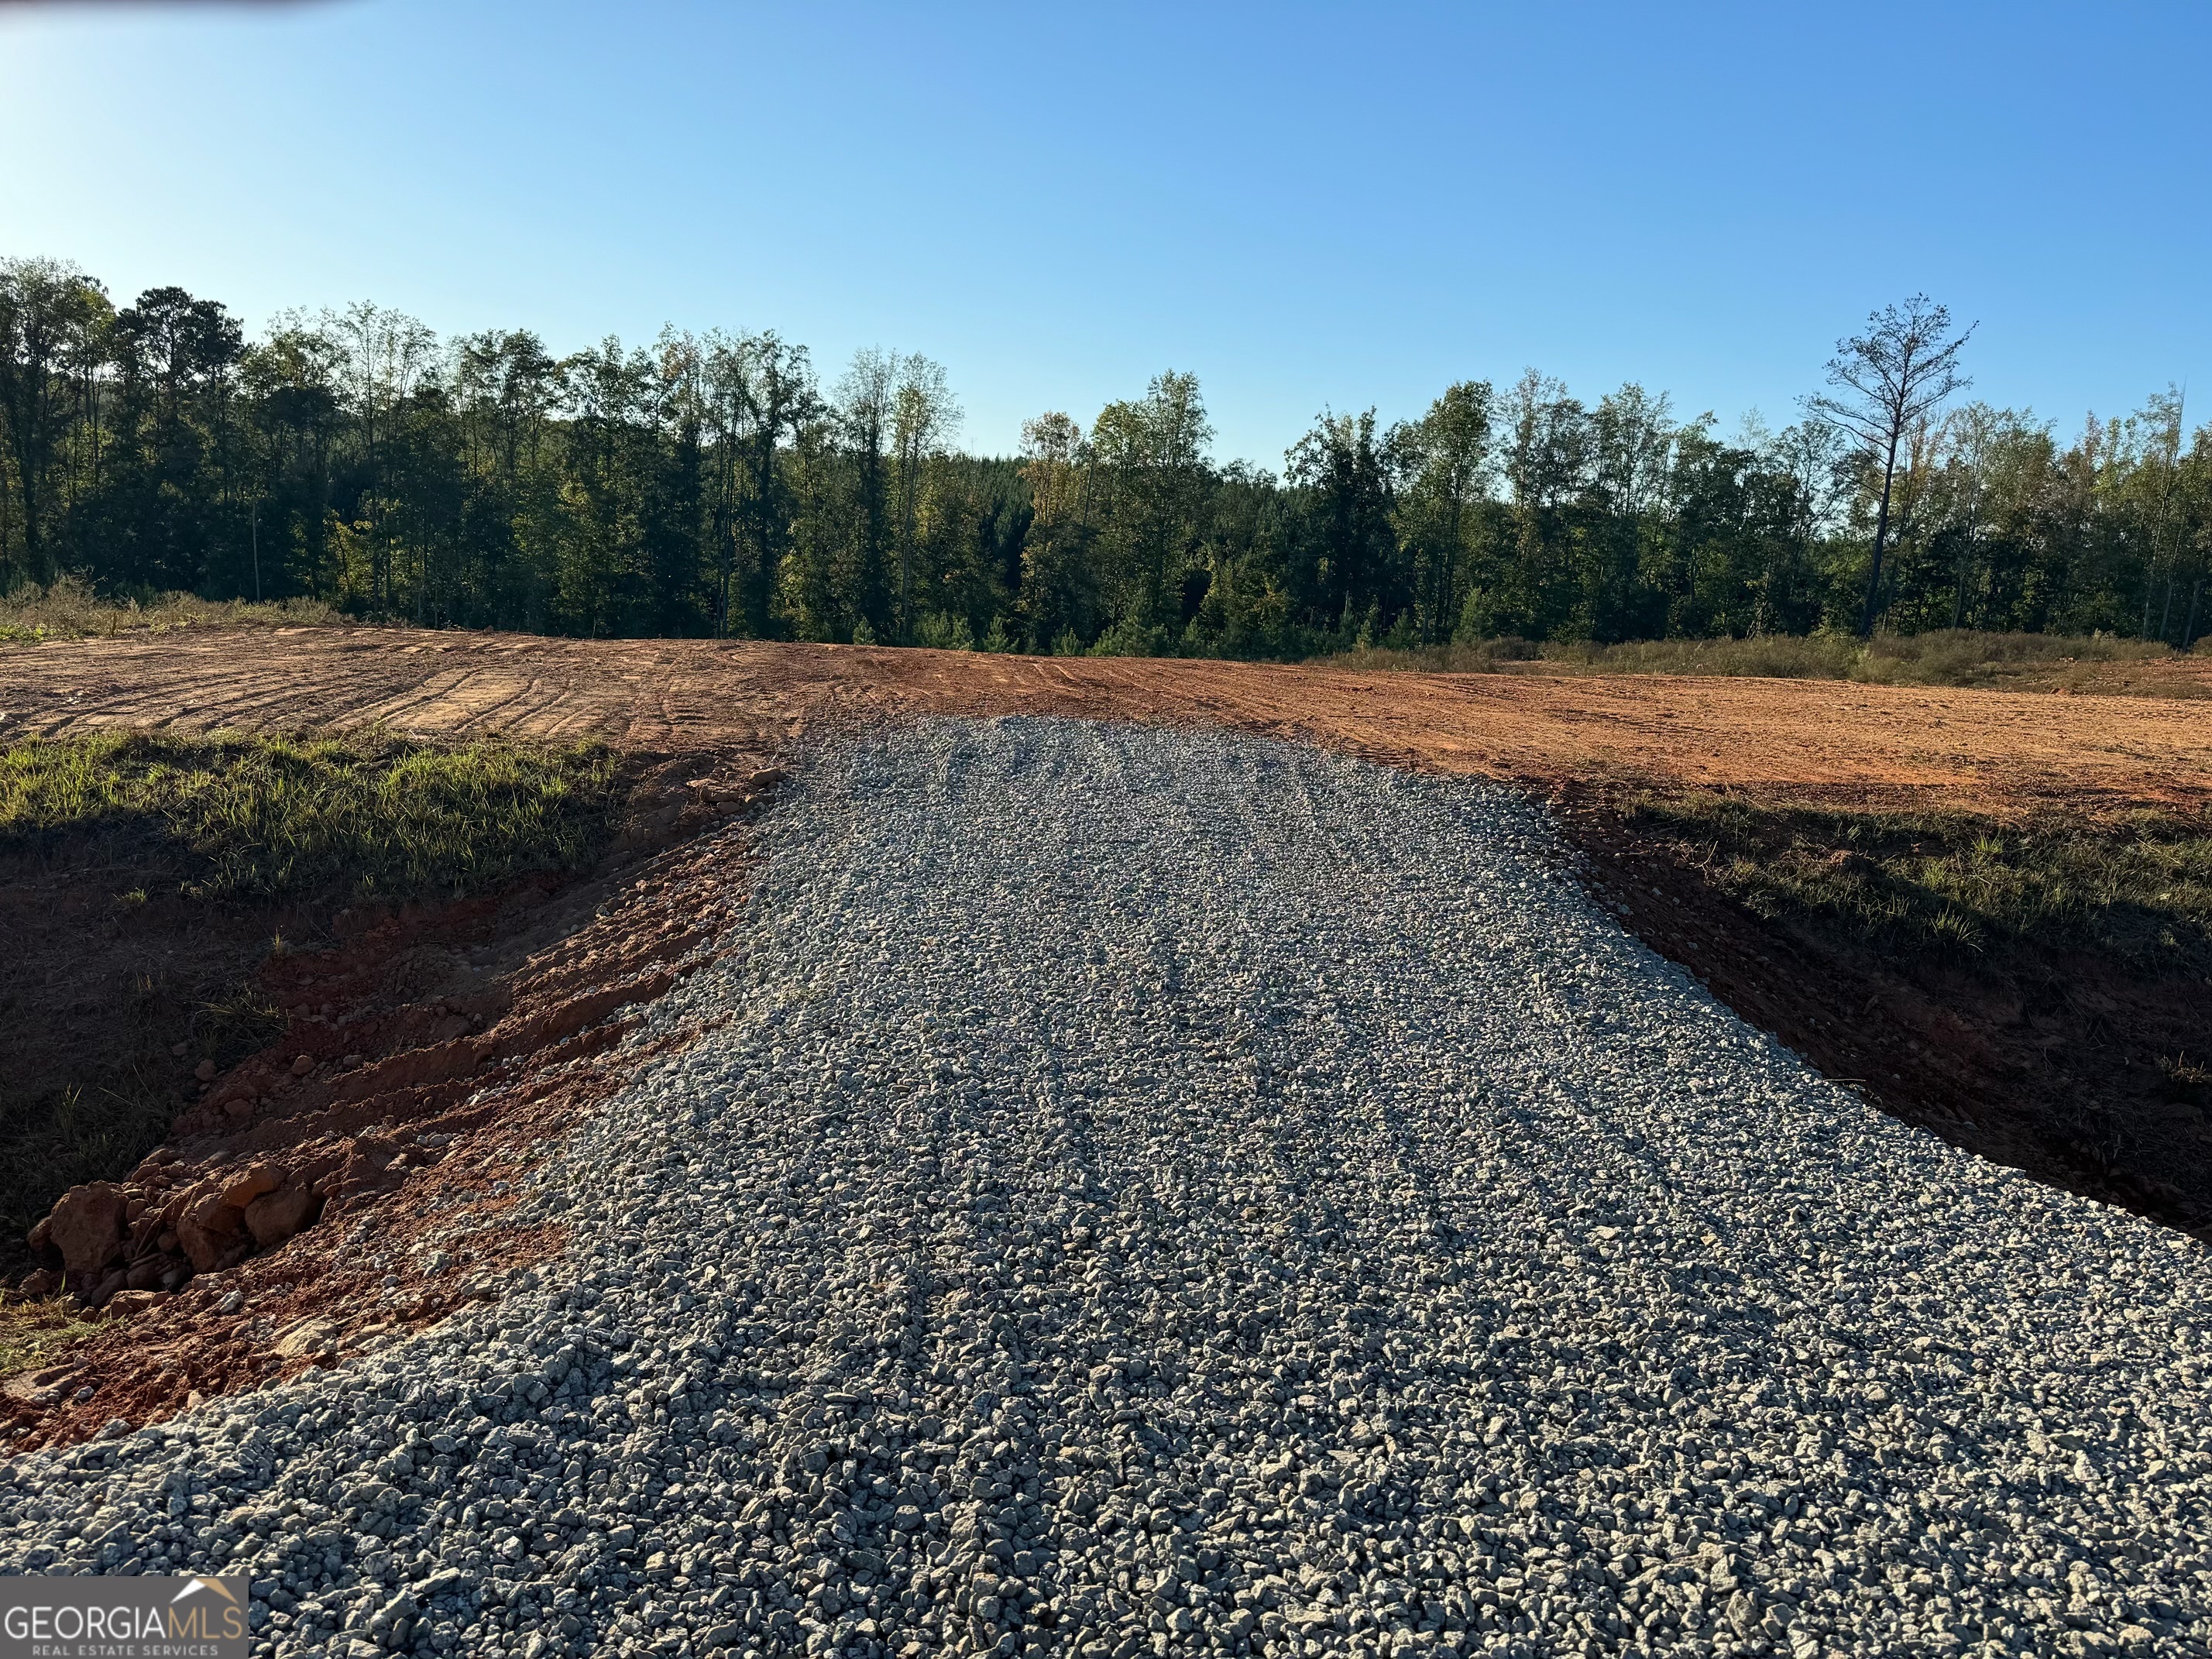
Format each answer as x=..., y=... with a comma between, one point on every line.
x=716, y=484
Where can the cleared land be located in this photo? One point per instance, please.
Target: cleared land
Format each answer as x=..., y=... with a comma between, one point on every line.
x=1013, y=1247
x=1990, y=750
x=1807, y=848
x=1772, y=834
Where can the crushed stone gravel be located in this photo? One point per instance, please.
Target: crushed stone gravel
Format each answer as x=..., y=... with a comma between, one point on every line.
x=1158, y=1194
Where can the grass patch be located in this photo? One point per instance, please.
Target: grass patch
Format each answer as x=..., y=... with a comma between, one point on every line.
x=71, y=610
x=32, y=1331
x=2137, y=888
x=276, y=817
x=1947, y=657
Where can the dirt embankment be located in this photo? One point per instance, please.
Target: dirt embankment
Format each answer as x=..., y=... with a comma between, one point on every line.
x=490, y=1023
x=355, y=1176
x=2069, y=1065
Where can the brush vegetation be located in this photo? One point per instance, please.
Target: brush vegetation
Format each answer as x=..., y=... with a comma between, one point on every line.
x=1949, y=657
x=259, y=817
x=2137, y=888
x=70, y=610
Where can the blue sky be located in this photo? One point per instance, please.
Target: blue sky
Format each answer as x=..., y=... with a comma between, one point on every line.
x=1307, y=205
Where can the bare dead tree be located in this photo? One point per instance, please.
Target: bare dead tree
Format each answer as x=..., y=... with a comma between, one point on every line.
x=1886, y=382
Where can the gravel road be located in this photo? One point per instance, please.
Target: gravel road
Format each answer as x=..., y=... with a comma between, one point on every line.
x=1154, y=1194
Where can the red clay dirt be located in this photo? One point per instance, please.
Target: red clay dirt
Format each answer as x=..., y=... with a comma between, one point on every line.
x=1983, y=749
x=495, y=1022
x=429, y=1056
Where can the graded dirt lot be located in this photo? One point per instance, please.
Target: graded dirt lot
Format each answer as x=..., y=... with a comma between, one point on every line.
x=548, y=981
x=1990, y=750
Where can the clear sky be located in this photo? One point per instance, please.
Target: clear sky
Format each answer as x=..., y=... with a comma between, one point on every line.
x=1307, y=205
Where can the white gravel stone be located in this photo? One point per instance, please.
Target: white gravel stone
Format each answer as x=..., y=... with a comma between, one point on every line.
x=1150, y=1193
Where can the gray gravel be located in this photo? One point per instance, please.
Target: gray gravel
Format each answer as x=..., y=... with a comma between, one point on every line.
x=1159, y=1193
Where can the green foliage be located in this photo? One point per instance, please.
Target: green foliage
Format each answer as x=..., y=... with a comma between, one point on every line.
x=707, y=484
x=1943, y=657
x=265, y=817
x=944, y=633
x=2138, y=888
x=1131, y=638
x=69, y=608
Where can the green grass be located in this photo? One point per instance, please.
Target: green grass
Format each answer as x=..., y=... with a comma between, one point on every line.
x=32, y=1332
x=2137, y=888
x=70, y=610
x=259, y=817
x=1947, y=657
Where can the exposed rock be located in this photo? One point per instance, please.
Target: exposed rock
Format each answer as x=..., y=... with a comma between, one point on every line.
x=127, y=1304
x=42, y=1387
x=275, y=1217
x=311, y=1338
x=259, y=1178
x=207, y=1229
x=44, y=1282
x=146, y=1273
x=87, y=1226
x=204, y=1071
x=303, y=1065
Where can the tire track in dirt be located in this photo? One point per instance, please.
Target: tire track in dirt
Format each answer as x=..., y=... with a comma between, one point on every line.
x=1865, y=743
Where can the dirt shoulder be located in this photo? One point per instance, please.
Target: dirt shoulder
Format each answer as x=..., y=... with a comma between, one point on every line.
x=1992, y=750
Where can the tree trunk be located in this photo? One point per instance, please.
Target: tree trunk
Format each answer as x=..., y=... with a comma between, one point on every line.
x=34, y=559
x=1880, y=535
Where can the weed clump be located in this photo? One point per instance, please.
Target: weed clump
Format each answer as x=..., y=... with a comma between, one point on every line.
x=71, y=609
x=272, y=817
x=2137, y=887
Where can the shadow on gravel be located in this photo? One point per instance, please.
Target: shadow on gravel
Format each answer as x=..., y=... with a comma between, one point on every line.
x=2058, y=1026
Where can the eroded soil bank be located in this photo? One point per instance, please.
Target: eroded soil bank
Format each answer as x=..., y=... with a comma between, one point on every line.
x=2076, y=1065
x=349, y=1178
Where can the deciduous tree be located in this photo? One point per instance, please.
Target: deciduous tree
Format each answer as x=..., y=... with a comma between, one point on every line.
x=52, y=315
